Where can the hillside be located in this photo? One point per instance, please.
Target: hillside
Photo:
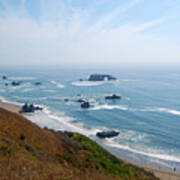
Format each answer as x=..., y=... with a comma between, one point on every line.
x=29, y=152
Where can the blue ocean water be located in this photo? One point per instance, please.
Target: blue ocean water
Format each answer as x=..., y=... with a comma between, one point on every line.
x=147, y=116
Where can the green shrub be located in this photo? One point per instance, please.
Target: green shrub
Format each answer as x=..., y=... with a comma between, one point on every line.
x=22, y=137
x=5, y=149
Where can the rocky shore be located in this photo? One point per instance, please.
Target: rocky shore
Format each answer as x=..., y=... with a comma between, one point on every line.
x=160, y=173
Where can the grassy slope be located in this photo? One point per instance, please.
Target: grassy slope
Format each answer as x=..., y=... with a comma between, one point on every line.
x=29, y=152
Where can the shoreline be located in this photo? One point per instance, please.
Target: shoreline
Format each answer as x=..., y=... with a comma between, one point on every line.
x=10, y=107
x=163, y=174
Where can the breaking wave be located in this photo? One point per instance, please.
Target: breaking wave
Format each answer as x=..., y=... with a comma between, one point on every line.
x=87, y=83
x=151, y=152
x=58, y=84
x=125, y=108
x=160, y=109
x=109, y=107
x=22, y=78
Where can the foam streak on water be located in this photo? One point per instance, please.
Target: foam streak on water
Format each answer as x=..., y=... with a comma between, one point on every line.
x=87, y=83
x=58, y=84
x=160, y=109
x=109, y=107
x=154, y=155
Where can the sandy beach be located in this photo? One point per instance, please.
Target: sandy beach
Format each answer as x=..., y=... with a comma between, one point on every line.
x=10, y=107
x=163, y=174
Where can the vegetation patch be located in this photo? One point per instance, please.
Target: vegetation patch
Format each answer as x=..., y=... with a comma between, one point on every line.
x=6, y=150
x=22, y=137
x=107, y=162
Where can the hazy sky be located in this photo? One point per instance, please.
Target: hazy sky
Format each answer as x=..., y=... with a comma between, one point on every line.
x=89, y=32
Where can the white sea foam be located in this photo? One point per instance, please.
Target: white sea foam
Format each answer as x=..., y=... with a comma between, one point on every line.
x=109, y=107
x=3, y=100
x=59, y=121
x=22, y=78
x=128, y=80
x=66, y=124
x=22, y=87
x=151, y=152
x=49, y=90
x=159, y=109
x=26, y=99
x=133, y=136
x=125, y=80
x=87, y=83
x=27, y=90
x=92, y=83
x=128, y=98
x=58, y=84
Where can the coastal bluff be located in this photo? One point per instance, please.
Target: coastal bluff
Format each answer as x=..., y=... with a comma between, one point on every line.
x=29, y=152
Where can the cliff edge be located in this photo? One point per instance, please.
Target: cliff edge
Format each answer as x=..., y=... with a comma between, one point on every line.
x=29, y=152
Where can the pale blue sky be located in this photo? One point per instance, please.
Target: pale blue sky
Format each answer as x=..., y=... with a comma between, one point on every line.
x=89, y=32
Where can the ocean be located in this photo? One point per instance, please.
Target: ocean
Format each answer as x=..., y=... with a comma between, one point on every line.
x=147, y=116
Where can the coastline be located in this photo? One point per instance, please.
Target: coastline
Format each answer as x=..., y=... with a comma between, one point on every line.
x=163, y=174
x=10, y=107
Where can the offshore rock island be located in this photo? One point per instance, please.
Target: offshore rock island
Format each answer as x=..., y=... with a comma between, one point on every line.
x=101, y=77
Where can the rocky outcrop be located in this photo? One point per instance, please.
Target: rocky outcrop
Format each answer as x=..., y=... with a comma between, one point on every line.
x=85, y=105
x=37, y=83
x=4, y=77
x=81, y=100
x=16, y=83
x=30, y=108
x=66, y=100
x=101, y=77
x=114, y=96
x=107, y=134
